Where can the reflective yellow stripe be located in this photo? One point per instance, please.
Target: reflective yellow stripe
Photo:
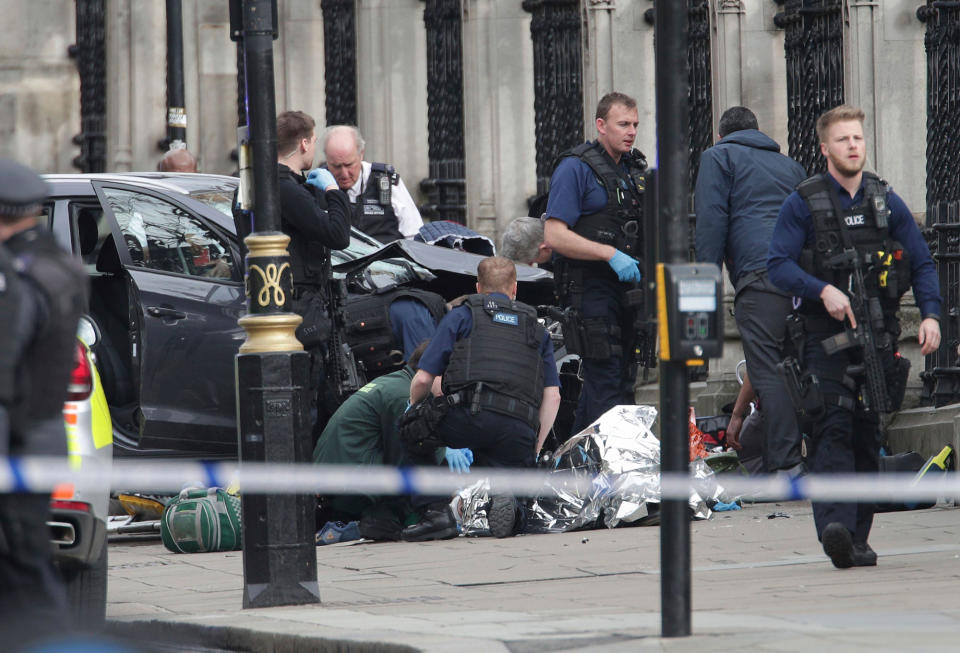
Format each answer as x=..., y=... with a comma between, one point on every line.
x=662, y=315
x=100, y=416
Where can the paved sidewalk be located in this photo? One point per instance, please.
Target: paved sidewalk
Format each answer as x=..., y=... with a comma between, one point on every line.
x=758, y=583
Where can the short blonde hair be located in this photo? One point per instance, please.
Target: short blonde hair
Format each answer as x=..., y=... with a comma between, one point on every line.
x=496, y=274
x=841, y=113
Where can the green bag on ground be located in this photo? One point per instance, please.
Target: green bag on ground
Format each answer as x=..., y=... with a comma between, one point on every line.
x=201, y=520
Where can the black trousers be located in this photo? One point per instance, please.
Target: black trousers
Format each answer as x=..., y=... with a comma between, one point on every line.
x=607, y=382
x=843, y=440
x=761, y=313
x=32, y=595
x=495, y=440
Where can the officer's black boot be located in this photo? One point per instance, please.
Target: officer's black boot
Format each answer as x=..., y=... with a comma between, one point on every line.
x=437, y=523
x=864, y=555
x=838, y=544
x=504, y=516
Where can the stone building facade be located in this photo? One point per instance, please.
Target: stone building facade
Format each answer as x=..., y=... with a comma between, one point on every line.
x=885, y=69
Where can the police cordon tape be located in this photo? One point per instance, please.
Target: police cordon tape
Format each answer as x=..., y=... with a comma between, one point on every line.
x=163, y=476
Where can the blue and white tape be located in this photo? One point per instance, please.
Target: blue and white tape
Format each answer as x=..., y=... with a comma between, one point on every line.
x=161, y=476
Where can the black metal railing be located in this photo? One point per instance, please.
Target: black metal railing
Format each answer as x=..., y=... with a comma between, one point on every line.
x=813, y=46
x=89, y=54
x=445, y=187
x=557, y=81
x=340, y=60
x=701, y=92
x=941, y=376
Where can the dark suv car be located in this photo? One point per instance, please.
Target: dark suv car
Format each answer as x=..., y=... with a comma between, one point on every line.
x=167, y=299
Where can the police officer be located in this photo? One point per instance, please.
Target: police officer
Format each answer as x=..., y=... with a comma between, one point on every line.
x=825, y=227
x=593, y=223
x=315, y=214
x=498, y=370
x=381, y=204
x=39, y=338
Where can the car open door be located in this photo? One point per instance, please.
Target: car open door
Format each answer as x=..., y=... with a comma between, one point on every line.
x=185, y=296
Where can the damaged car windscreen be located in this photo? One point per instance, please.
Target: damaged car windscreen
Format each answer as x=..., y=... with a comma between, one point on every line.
x=378, y=274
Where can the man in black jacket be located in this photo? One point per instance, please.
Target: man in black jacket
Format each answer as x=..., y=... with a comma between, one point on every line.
x=742, y=182
x=315, y=214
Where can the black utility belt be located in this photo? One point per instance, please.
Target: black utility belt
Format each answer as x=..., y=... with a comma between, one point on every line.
x=475, y=401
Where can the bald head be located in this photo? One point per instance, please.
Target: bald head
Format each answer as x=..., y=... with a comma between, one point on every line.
x=497, y=274
x=343, y=149
x=179, y=160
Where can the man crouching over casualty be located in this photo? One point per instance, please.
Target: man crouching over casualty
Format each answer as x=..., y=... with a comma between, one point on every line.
x=500, y=396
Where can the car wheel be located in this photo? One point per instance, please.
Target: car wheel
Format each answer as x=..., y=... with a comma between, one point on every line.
x=87, y=592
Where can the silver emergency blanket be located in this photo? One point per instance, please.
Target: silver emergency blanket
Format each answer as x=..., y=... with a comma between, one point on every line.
x=622, y=457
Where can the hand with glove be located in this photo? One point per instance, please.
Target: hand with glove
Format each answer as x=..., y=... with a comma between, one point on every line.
x=459, y=460
x=322, y=179
x=626, y=267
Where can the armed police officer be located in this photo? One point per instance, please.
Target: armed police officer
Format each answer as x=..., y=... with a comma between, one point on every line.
x=593, y=224
x=500, y=389
x=380, y=202
x=39, y=344
x=315, y=214
x=848, y=248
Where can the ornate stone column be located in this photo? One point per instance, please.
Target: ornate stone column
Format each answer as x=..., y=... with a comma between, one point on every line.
x=557, y=81
x=445, y=187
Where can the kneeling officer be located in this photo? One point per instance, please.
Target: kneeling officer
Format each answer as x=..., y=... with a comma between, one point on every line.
x=500, y=389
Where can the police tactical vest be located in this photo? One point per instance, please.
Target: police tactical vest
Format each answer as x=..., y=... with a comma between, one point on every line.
x=885, y=263
x=620, y=222
x=500, y=359
x=45, y=365
x=373, y=212
x=370, y=333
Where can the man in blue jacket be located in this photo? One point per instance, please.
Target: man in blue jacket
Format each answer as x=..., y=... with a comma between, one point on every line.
x=741, y=185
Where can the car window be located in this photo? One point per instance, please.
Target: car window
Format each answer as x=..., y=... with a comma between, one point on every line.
x=162, y=236
x=219, y=199
x=90, y=230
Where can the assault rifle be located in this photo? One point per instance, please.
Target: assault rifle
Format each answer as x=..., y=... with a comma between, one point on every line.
x=644, y=331
x=869, y=333
x=345, y=373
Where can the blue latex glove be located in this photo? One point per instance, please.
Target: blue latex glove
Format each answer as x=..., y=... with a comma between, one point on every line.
x=721, y=506
x=459, y=460
x=321, y=178
x=626, y=267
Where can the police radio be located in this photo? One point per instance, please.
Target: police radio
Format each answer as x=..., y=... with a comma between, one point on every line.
x=384, y=188
x=689, y=305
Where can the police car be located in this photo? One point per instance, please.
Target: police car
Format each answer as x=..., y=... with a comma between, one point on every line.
x=166, y=278
x=78, y=507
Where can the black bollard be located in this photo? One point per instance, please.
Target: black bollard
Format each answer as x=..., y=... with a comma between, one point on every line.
x=672, y=157
x=279, y=552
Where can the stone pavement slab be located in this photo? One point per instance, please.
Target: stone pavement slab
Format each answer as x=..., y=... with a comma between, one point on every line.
x=758, y=582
